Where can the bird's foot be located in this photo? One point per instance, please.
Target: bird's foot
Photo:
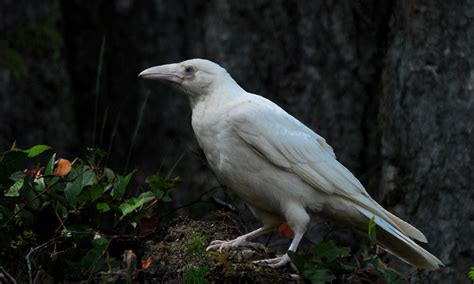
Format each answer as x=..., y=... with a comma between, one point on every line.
x=276, y=262
x=238, y=242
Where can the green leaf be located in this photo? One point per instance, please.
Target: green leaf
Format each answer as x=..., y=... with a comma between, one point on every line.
x=297, y=259
x=27, y=218
x=14, y=190
x=157, y=184
x=329, y=251
x=130, y=205
x=102, y=207
x=470, y=274
x=5, y=213
x=30, y=195
x=36, y=150
x=90, y=194
x=95, y=155
x=392, y=277
x=17, y=175
x=319, y=275
x=167, y=198
x=62, y=211
x=74, y=188
x=134, y=203
x=121, y=185
x=109, y=174
x=39, y=184
x=372, y=234
x=50, y=166
x=93, y=255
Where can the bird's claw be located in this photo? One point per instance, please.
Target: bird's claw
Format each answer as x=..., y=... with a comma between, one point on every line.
x=220, y=245
x=276, y=262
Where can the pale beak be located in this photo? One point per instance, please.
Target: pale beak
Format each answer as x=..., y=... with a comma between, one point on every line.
x=168, y=72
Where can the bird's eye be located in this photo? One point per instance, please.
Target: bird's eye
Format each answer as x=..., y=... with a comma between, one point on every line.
x=189, y=70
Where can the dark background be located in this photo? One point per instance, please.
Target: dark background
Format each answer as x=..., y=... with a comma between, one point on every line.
x=389, y=84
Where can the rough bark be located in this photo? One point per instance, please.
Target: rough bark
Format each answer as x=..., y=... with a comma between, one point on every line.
x=426, y=118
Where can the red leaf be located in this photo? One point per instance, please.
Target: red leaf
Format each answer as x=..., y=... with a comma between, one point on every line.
x=147, y=262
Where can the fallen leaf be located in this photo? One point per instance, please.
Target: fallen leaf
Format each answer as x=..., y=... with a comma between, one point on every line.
x=285, y=230
x=63, y=167
x=147, y=262
x=129, y=257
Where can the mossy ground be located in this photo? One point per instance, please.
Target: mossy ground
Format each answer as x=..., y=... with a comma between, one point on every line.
x=181, y=257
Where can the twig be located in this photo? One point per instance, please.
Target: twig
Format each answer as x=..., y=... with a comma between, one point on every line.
x=28, y=256
x=135, y=132
x=111, y=141
x=175, y=164
x=97, y=87
x=34, y=198
x=59, y=218
x=97, y=260
x=7, y=275
x=104, y=121
x=192, y=202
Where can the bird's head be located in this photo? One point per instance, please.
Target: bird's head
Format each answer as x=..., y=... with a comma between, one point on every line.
x=196, y=76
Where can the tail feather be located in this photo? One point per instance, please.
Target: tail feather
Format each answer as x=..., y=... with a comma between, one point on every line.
x=371, y=205
x=399, y=244
x=407, y=228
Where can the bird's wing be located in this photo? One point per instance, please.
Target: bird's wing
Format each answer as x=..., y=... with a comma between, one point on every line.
x=287, y=143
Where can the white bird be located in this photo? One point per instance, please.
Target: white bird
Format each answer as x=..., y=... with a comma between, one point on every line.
x=279, y=167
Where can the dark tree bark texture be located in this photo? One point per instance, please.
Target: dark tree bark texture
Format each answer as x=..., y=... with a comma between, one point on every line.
x=389, y=84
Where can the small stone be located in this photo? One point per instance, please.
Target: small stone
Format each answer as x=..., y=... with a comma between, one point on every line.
x=247, y=254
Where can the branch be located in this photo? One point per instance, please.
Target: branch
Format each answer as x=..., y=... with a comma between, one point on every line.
x=7, y=275
x=28, y=256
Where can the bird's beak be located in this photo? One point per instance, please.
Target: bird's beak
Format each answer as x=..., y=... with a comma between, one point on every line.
x=168, y=72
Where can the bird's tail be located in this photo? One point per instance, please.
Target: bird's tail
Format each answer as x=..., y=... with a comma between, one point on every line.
x=396, y=240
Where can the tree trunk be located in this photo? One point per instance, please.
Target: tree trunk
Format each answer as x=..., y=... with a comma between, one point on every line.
x=426, y=120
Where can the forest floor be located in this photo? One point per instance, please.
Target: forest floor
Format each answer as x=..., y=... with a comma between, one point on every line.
x=181, y=256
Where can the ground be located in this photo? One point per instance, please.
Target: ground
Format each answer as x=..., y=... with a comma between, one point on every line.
x=181, y=256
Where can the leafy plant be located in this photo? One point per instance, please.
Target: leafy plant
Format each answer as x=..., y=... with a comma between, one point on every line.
x=330, y=262
x=196, y=244
x=325, y=263
x=470, y=274
x=74, y=210
x=197, y=275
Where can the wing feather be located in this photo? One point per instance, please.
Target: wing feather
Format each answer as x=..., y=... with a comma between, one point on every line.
x=289, y=144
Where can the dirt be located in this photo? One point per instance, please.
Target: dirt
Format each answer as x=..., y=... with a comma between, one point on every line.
x=181, y=256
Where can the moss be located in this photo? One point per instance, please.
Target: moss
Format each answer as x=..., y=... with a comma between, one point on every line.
x=196, y=275
x=196, y=244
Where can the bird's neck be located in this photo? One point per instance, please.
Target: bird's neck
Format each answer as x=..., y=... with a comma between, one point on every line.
x=218, y=94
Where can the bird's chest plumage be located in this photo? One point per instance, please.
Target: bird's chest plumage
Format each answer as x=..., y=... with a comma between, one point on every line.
x=216, y=138
x=233, y=162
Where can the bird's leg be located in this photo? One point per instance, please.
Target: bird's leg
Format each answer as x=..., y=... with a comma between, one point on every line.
x=240, y=241
x=298, y=220
x=283, y=260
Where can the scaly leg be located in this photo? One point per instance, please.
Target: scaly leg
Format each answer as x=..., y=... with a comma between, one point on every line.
x=283, y=260
x=298, y=220
x=240, y=241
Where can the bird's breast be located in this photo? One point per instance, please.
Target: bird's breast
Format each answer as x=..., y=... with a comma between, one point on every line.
x=240, y=167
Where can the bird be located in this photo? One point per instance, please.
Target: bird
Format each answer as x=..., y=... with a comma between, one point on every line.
x=282, y=170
